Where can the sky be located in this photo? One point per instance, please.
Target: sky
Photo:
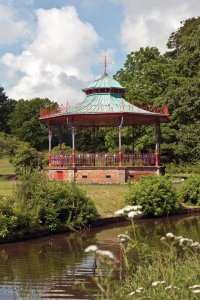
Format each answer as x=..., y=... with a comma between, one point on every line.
x=55, y=48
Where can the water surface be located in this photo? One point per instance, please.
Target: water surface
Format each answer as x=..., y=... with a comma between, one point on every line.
x=46, y=268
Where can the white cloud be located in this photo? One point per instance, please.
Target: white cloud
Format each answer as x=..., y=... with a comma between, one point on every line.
x=149, y=23
x=58, y=61
x=11, y=27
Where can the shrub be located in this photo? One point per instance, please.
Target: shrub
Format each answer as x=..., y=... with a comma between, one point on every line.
x=11, y=218
x=182, y=167
x=24, y=157
x=190, y=190
x=54, y=203
x=156, y=195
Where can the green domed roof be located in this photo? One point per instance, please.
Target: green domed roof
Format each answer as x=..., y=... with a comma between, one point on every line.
x=104, y=82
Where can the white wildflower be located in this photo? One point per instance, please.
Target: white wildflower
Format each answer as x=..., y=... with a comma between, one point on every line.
x=122, y=240
x=123, y=236
x=132, y=214
x=106, y=253
x=139, y=212
x=182, y=241
x=138, y=207
x=119, y=212
x=131, y=294
x=195, y=245
x=128, y=208
x=136, y=291
x=139, y=290
x=194, y=286
x=169, y=235
x=132, y=207
x=169, y=287
x=196, y=291
x=155, y=283
x=91, y=248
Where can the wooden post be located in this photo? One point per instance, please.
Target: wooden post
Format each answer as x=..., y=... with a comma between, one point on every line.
x=73, y=147
x=50, y=138
x=157, y=149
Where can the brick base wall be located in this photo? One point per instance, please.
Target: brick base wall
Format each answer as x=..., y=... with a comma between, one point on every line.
x=102, y=175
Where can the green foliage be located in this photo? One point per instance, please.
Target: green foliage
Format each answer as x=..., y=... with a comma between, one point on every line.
x=182, y=167
x=39, y=204
x=156, y=195
x=190, y=191
x=6, y=107
x=54, y=203
x=159, y=274
x=64, y=149
x=12, y=219
x=152, y=78
x=8, y=145
x=24, y=121
x=24, y=157
x=20, y=154
x=144, y=75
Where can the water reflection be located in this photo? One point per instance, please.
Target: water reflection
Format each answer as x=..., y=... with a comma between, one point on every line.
x=46, y=268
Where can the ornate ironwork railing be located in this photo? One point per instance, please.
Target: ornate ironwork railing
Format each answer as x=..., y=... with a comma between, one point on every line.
x=102, y=159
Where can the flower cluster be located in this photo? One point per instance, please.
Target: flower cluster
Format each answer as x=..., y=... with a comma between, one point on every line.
x=181, y=241
x=131, y=210
x=156, y=283
x=195, y=288
x=138, y=290
x=104, y=253
x=123, y=238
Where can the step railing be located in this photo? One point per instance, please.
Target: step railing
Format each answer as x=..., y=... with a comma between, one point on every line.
x=102, y=159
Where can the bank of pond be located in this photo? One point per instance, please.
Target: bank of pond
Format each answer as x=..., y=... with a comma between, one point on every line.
x=38, y=206
x=57, y=266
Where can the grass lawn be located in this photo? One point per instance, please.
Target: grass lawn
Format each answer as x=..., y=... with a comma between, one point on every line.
x=107, y=198
x=6, y=187
x=6, y=167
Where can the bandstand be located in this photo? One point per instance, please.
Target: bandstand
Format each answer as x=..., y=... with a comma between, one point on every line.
x=103, y=106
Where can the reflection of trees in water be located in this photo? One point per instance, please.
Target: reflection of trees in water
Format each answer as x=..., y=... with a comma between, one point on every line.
x=49, y=263
x=43, y=261
x=150, y=231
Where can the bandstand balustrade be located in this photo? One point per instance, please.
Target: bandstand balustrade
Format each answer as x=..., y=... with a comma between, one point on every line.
x=102, y=160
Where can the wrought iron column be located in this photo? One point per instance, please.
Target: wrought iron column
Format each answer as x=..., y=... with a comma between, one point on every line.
x=120, y=142
x=60, y=138
x=50, y=138
x=73, y=147
x=133, y=139
x=157, y=150
x=94, y=142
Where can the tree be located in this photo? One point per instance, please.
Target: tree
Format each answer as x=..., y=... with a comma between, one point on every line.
x=24, y=122
x=183, y=91
x=173, y=78
x=145, y=75
x=6, y=107
x=25, y=157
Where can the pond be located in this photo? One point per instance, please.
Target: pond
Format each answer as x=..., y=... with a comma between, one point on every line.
x=46, y=268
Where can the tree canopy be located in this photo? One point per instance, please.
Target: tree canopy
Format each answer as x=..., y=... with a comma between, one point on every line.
x=6, y=107
x=151, y=78
x=173, y=78
x=24, y=121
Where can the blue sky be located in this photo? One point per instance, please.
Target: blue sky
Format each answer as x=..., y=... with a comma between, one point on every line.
x=55, y=48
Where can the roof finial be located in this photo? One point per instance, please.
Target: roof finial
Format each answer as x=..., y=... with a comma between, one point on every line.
x=105, y=64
